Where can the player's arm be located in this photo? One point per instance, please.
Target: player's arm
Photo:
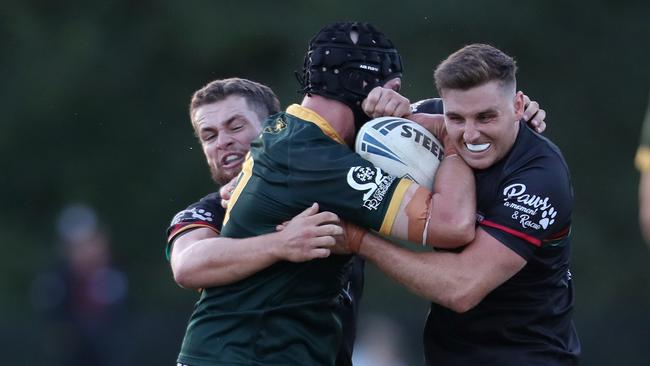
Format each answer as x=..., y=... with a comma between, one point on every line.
x=444, y=217
x=642, y=163
x=644, y=205
x=201, y=258
x=458, y=281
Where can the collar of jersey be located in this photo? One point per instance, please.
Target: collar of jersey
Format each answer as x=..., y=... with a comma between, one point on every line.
x=313, y=117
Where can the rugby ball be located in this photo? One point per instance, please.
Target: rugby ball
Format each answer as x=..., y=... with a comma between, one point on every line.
x=401, y=148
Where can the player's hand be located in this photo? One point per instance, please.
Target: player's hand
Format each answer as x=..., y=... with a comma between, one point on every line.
x=308, y=235
x=534, y=115
x=434, y=123
x=226, y=192
x=385, y=102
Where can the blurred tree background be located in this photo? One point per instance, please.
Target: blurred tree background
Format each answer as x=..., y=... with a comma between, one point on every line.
x=94, y=102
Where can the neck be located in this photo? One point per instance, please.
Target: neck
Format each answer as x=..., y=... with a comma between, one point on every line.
x=337, y=114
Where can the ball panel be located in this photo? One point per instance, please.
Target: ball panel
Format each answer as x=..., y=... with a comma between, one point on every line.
x=400, y=147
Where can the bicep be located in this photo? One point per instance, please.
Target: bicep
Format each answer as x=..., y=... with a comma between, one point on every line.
x=186, y=239
x=444, y=218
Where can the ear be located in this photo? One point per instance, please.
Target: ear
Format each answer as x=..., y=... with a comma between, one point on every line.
x=518, y=102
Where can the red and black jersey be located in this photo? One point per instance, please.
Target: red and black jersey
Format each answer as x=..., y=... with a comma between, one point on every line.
x=206, y=213
x=525, y=201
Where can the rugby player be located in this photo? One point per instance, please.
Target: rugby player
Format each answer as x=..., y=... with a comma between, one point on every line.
x=507, y=297
x=286, y=314
x=227, y=115
x=642, y=163
x=379, y=101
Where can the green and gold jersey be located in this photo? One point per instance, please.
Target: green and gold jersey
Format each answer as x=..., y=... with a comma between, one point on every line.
x=286, y=314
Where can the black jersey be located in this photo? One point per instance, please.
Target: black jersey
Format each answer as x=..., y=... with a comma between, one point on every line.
x=524, y=201
x=209, y=213
x=206, y=213
x=433, y=106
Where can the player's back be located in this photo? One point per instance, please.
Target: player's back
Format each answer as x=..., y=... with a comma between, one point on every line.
x=285, y=314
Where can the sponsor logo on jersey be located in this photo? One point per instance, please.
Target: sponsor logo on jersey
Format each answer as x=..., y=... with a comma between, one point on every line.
x=372, y=181
x=416, y=105
x=192, y=214
x=530, y=210
x=276, y=127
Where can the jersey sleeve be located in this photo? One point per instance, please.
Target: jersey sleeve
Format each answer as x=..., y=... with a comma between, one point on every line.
x=432, y=106
x=533, y=208
x=206, y=213
x=342, y=182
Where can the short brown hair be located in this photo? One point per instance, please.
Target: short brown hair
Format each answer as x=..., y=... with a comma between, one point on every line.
x=475, y=65
x=258, y=96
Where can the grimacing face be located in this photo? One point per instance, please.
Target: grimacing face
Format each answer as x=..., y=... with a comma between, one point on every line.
x=225, y=130
x=483, y=122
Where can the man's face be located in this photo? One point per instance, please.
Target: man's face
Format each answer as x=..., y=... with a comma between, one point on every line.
x=482, y=122
x=225, y=130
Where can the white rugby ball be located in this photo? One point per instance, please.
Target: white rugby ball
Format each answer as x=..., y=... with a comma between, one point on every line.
x=401, y=148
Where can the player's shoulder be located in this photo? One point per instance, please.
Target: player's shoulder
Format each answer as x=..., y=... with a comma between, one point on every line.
x=207, y=209
x=286, y=128
x=535, y=152
x=431, y=105
x=536, y=170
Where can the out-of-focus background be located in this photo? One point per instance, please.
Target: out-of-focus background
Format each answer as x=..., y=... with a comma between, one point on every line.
x=97, y=155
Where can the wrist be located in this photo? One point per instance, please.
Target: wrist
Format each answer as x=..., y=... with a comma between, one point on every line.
x=355, y=235
x=355, y=247
x=276, y=239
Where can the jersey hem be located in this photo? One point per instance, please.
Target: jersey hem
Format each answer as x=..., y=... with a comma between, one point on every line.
x=183, y=230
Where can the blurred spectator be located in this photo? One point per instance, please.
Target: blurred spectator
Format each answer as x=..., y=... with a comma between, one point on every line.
x=642, y=162
x=378, y=343
x=82, y=299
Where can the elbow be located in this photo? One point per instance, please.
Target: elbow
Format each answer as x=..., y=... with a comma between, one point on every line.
x=184, y=277
x=463, y=301
x=462, y=235
x=449, y=233
x=462, y=304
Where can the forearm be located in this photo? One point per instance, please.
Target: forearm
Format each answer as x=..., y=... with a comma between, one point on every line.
x=453, y=207
x=436, y=276
x=458, y=281
x=220, y=261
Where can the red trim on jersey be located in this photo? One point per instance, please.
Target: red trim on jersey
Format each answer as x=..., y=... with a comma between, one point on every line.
x=560, y=234
x=184, y=226
x=536, y=242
